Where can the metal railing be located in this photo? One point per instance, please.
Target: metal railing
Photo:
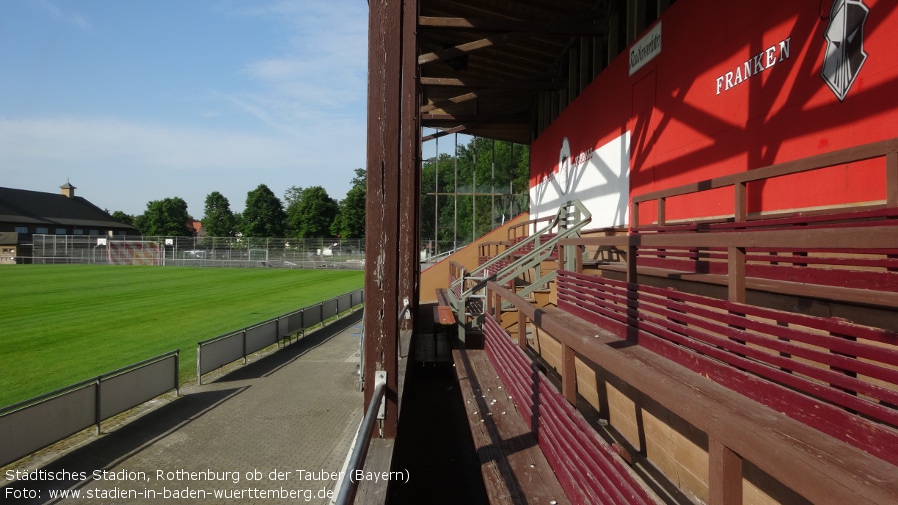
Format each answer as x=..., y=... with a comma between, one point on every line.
x=347, y=485
x=44, y=420
x=533, y=250
x=226, y=252
x=229, y=347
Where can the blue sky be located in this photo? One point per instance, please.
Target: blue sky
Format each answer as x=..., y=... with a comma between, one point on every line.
x=140, y=100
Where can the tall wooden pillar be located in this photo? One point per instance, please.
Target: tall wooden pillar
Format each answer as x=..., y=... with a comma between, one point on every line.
x=392, y=193
x=410, y=163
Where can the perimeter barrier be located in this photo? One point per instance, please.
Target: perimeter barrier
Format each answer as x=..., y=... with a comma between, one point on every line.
x=218, y=351
x=44, y=420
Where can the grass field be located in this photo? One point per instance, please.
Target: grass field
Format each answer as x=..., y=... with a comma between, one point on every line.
x=61, y=324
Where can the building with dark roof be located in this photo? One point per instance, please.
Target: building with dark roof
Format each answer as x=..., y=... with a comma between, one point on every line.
x=24, y=214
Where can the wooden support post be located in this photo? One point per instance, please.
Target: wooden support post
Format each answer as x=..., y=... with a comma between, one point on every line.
x=724, y=475
x=634, y=215
x=632, y=275
x=740, y=206
x=736, y=274
x=488, y=309
x=392, y=188
x=662, y=211
x=892, y=180
x=522, y=329
x=569, y=375
x=409, y=163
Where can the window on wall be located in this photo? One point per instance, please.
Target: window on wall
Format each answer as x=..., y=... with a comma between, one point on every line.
x=41, y=231
x=60, y=231
x=77, y=231
x=21, y=229
x=94, y=232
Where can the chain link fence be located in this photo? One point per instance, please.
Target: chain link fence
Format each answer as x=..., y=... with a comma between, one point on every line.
x=233, y=252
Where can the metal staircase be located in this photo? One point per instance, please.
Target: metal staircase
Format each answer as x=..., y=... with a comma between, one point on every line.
x=520, y=265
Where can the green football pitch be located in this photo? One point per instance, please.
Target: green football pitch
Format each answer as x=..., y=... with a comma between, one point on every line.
x=62, y=324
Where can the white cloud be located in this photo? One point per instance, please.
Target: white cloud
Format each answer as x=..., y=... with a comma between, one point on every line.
x=131, y=163
x=70, y=18
x=321, y=72
x=73, y=140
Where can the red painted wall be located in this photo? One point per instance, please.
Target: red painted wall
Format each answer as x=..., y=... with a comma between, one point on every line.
x=686, y=126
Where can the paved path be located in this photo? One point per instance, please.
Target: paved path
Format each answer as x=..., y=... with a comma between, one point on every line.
x=271, y=432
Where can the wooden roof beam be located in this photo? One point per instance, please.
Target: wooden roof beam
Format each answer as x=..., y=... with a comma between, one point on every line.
x=470, y=118
x=529, y=85
x=455, y=100
x=450, y=131
x=469, y=47
x=582, y=27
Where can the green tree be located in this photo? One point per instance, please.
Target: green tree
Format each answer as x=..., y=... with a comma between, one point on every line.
x=312, y=213
x=166, y=218
x=218, y=218
x=122, y=217
x=350, y=222
x=485, y=186
x=292, y=198
x=264, y=214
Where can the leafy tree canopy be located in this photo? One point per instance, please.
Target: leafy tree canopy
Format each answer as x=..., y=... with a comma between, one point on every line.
x=122, y=217
x=218, y=219
x=486, y=184
x=166, y=218
x=312, y=213
x=350, y=222
x=264, y=214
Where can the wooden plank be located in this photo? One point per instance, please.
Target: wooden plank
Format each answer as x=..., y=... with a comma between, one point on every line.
x=530, y=85
x=513, y=467
x=589, y=469
x=504, y=25
x=444, y=315
x=849, y=155
x=850, y=295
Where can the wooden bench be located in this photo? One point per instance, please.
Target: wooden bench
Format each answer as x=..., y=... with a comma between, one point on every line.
x=443, y=319
x=852, y=262
x=589, y=469
x=824, y=372
x=823, y=469
x=513, y=468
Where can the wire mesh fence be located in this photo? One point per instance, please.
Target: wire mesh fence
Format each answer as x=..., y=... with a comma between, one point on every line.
x=232, y=252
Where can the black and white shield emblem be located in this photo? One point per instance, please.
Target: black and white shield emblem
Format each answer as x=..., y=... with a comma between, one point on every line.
x=845, y=45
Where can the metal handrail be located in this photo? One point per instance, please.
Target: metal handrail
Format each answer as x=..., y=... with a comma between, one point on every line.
x=540, y=252
x=348, y=485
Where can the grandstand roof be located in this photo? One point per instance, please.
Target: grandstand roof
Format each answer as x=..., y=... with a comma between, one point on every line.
x=52, y=209
x=485, y=64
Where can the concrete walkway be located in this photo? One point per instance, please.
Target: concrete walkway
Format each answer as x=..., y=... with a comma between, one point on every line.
x=275, y=431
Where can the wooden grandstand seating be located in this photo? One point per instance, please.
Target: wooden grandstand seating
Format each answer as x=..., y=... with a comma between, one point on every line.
x=811, y=401
x=823, y=469
x=823, y=391
x=835, y=376
x=589, y=469
x=513, y=467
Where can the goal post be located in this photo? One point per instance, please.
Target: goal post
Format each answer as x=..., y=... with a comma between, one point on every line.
x=133, y=252
x=258, y=255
